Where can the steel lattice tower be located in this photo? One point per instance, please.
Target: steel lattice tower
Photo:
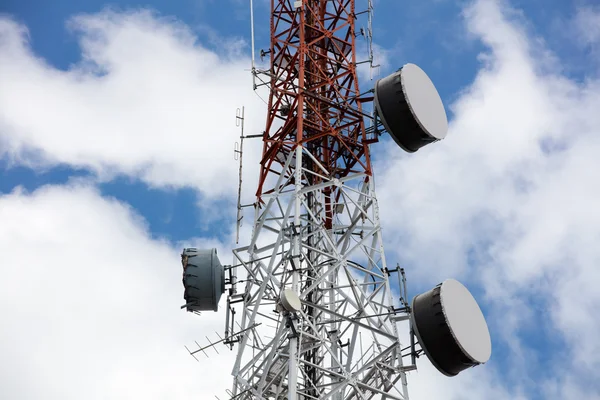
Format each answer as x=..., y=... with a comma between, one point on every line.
x=312, y=287
x=316, y=228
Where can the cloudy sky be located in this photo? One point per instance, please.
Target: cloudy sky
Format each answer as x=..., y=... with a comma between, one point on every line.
x=117, y=128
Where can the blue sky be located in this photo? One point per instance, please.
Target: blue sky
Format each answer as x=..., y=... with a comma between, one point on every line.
x=432, y=36
x=513, y=75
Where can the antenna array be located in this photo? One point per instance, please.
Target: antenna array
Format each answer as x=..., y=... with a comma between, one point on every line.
x=312, y=306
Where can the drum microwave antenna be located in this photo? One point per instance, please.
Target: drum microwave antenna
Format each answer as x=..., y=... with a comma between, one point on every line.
x=310, y=307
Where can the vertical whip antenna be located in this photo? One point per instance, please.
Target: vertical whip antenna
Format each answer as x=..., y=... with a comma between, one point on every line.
x=238, y=155
x=252, y=45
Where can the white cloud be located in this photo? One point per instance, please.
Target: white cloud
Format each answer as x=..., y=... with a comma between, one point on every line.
x=146, y=100
x=90, y=304
x=508, y=200
x=479, y=383
x=587, y=20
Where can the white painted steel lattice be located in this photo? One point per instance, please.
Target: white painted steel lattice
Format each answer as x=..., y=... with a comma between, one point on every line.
x=344, y=343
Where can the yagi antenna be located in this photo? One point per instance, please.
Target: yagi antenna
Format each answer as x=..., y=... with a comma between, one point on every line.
x=213, y=344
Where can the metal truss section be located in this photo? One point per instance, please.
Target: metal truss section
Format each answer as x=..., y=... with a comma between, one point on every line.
x=314, y=94
x=343, y=342
x=316, y=227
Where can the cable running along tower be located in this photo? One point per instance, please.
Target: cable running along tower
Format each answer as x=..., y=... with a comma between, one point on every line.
x=313, y=308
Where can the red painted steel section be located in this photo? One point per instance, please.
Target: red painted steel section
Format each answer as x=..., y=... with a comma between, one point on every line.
x=314, y=99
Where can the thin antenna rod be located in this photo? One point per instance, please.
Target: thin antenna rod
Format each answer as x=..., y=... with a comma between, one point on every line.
x=252, y=40
x=370, y=39
x=239, y=121
x=371, y=10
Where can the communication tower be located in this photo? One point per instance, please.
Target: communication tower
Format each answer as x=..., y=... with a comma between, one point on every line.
x=312, y=307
